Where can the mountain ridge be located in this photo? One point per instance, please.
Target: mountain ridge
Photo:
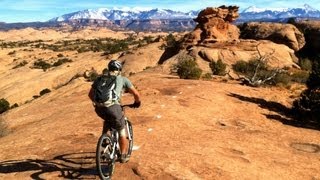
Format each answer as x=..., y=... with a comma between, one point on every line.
x=156, y=13
x=159, y=19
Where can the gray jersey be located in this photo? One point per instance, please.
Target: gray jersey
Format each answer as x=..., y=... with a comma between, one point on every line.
x=122, y=83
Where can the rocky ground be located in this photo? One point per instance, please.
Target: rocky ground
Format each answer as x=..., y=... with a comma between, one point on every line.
x=185, y=129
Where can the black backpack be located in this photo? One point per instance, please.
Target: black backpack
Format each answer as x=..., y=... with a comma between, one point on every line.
x=104, y=89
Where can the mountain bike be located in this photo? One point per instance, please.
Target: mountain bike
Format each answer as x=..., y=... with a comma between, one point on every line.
x=108, y=149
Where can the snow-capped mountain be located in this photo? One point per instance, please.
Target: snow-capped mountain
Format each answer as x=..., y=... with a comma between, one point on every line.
x=118, y=14
x=250, y=13
x=254, y=13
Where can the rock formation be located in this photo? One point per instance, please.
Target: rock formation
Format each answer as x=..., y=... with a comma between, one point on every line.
x=214, y=24
x=286, y=34
x=215, y=38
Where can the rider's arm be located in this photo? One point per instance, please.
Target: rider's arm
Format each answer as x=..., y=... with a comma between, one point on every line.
x=135, y=94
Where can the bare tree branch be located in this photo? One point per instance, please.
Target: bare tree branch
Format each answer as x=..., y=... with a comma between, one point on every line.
x=255, y=80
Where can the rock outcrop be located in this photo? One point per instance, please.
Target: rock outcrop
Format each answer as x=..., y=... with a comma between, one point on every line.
x=286, y=34
x=214, y=25
x=278, y=55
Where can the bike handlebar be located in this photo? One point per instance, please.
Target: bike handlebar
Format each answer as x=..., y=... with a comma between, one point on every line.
x=127, y=105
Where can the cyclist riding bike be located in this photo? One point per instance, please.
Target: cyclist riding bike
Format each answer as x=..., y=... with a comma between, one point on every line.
x=111, y=111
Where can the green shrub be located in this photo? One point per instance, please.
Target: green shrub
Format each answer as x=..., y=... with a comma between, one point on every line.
x=240, y=67
x=148, y=39
x=187, y=68
x=207, y=76
x=4, y=105
x=300, y=76
x=218, y=68
x=44, y=91
x=249, y=68
x=41, y=64
x=307, y=107
x=314, y=78
x=281, y=78
x=305, y=64
x=257, y=73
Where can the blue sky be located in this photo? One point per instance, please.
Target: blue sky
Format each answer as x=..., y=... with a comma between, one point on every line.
x=43, y=10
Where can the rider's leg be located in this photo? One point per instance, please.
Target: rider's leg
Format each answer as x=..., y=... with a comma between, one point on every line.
x=123, y=142
x=116, y=116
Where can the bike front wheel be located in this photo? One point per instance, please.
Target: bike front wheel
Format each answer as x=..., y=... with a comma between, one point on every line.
x=130, y=137
x=105, y=157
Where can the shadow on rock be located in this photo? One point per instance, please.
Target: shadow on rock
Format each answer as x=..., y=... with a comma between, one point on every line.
x=286, y=115
x=69, y=166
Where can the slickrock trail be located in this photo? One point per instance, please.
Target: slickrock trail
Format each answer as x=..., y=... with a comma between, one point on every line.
x=185, y=129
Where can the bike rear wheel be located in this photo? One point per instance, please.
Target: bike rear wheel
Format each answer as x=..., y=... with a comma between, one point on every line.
x=105, y=158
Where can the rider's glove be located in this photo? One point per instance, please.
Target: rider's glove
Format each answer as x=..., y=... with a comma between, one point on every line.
x=136, y=104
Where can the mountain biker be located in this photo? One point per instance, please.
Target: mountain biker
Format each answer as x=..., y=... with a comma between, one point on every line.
x=112, y=113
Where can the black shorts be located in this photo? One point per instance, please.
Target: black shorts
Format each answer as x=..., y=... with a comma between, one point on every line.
x=112, y=116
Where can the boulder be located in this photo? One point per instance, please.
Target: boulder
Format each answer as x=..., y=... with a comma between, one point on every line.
x=286, y=34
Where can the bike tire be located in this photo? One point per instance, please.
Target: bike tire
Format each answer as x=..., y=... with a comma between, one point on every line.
x=105, y=165
x=130, y=141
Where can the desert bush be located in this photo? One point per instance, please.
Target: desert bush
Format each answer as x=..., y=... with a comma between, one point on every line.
x=60, y=55
x=206, y=76
x=256, y=73
x=218, y=68
x=14, y=106
x=305, y=64
x=248, y=69
x=242, y=67
x=4, y=105
x=21, y=64
x=41, y=64
x=61, y=61
x=300, y=76
x=44, y=91
x=120, y=45
x=281, y=79
x=314, y=78
x=307, y=107
x=148, y=39
x=187, y=68
x=171, y=40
